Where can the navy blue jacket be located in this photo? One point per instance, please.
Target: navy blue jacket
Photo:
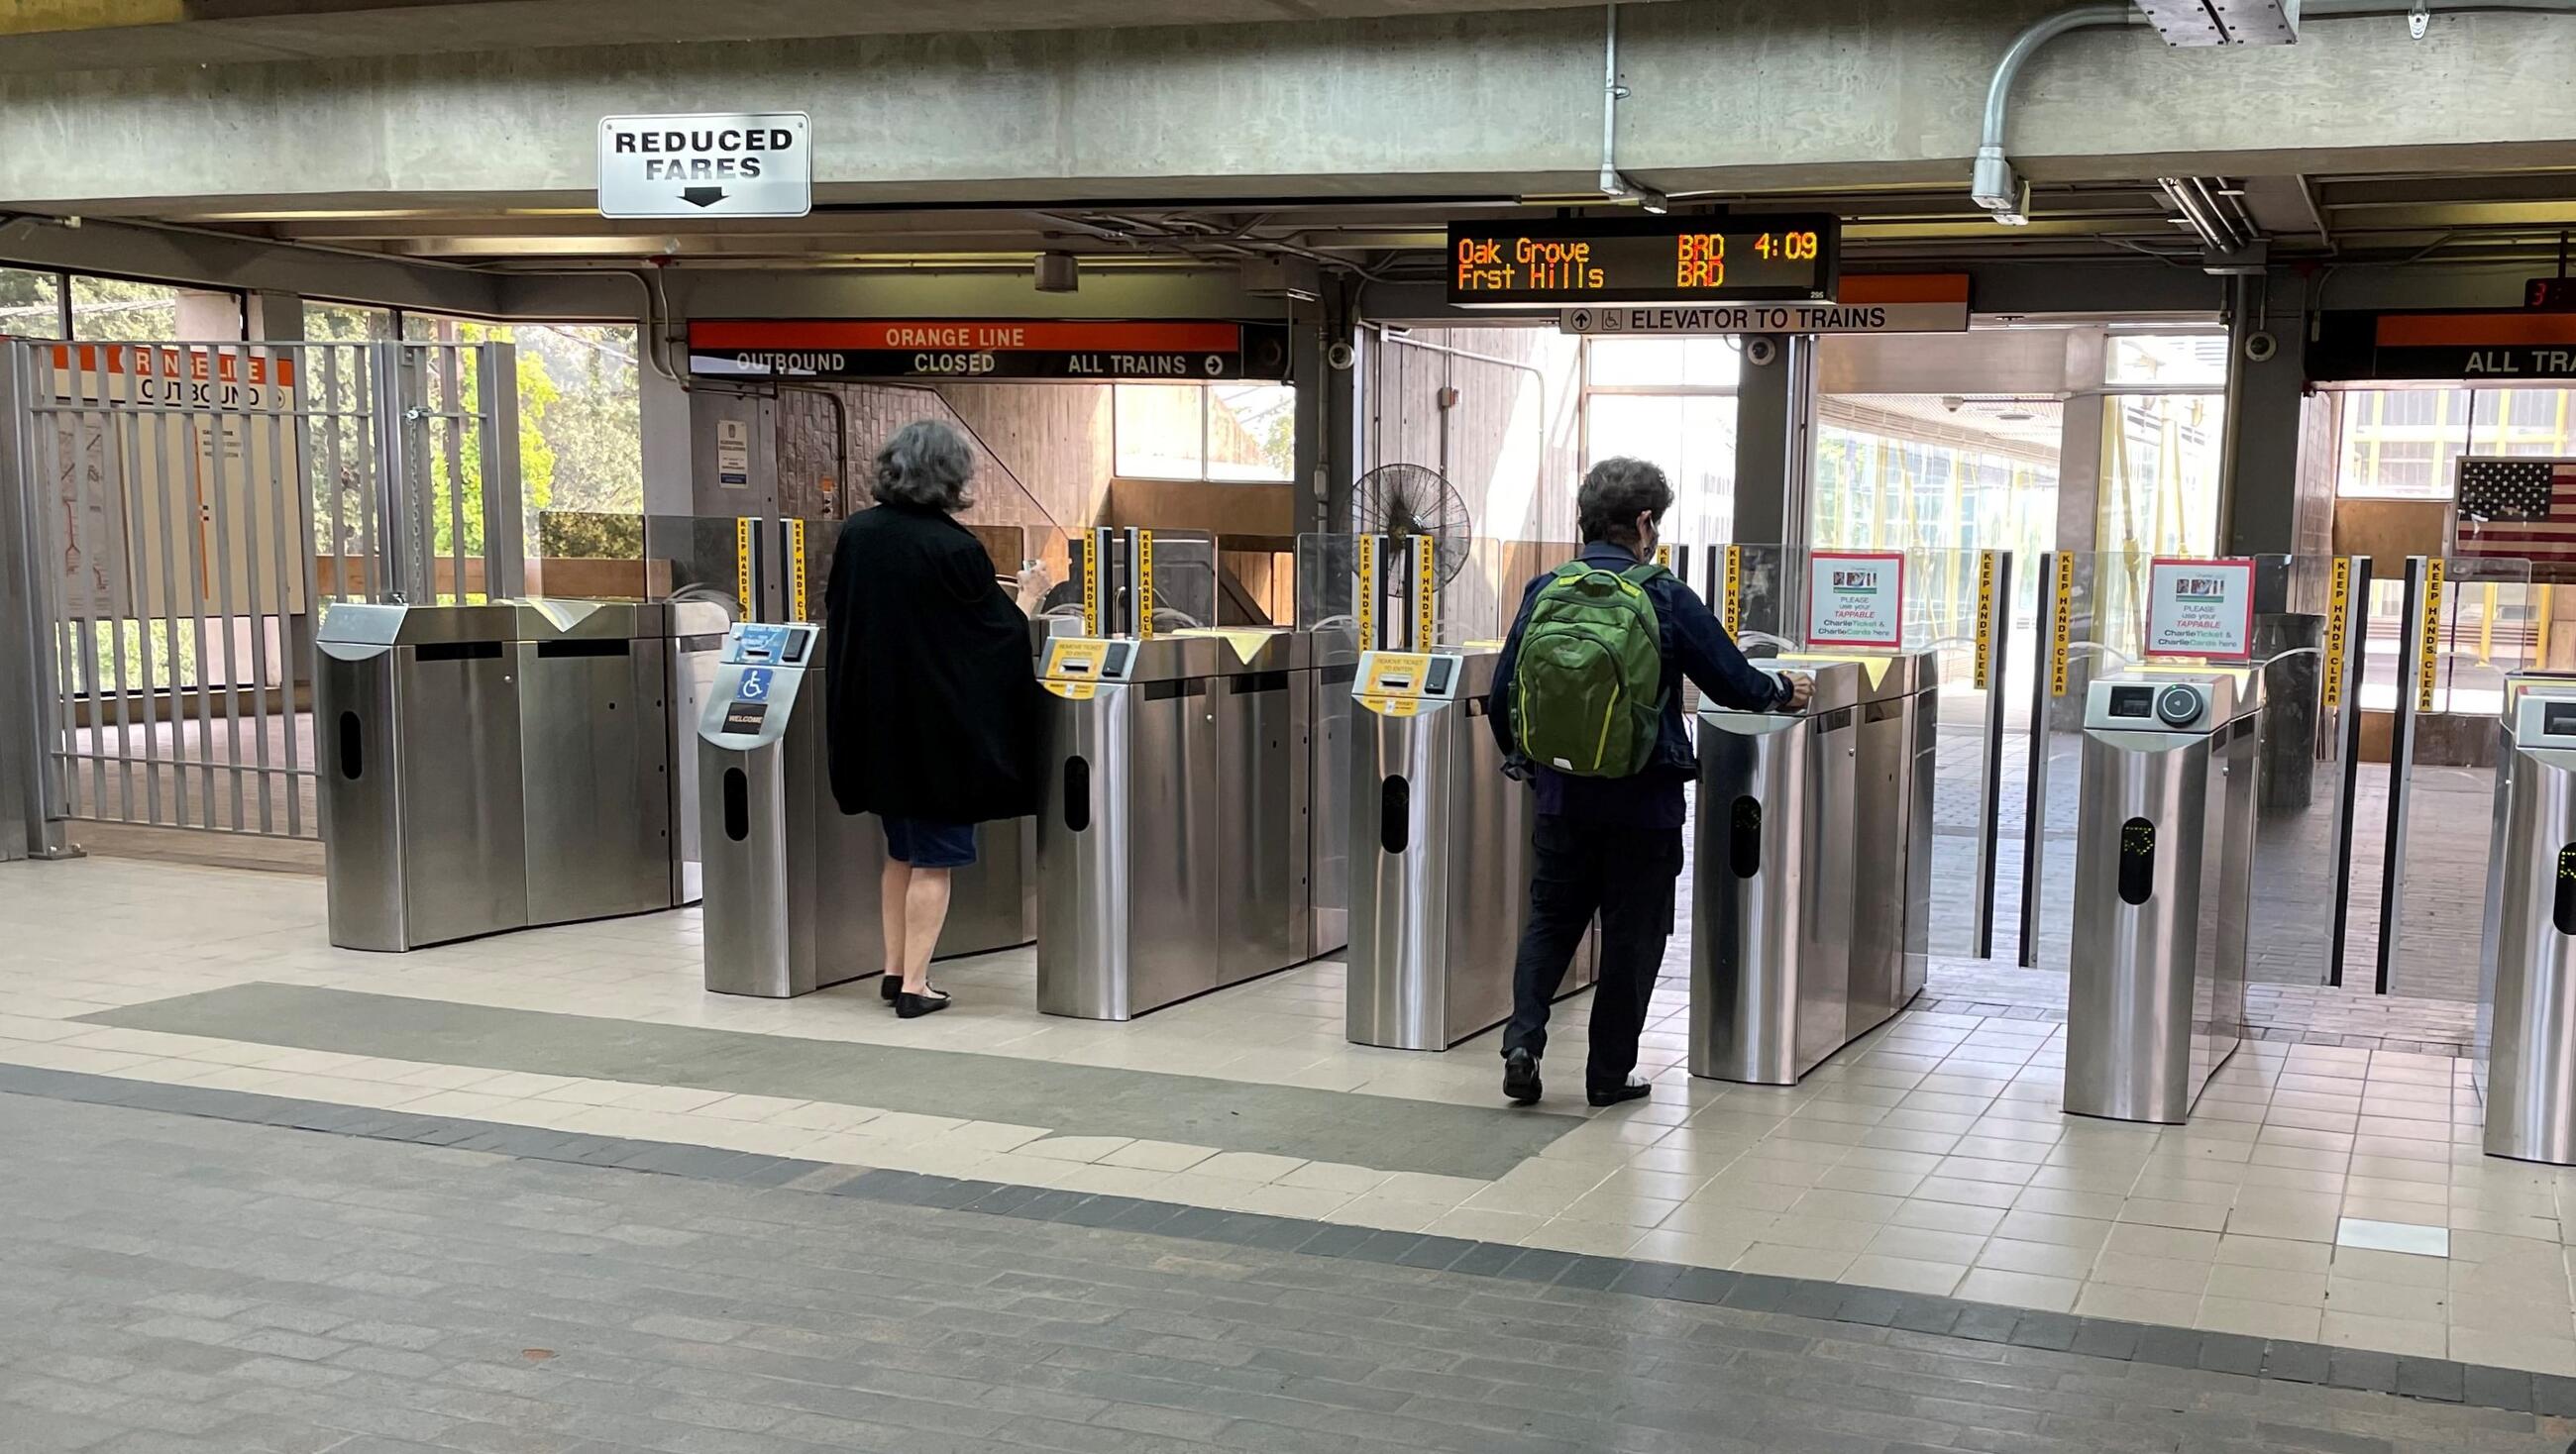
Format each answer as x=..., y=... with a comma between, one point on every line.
x=1695, y=645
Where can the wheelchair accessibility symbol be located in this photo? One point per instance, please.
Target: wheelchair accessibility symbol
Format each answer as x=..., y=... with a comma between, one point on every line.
x=754, y=686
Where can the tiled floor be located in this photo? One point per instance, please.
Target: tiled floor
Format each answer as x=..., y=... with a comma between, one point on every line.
x=182, y=1285
x=1931, y=1157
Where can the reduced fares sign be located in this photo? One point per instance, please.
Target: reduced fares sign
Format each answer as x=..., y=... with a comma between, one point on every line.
x=755, y=164
x=1084, y=350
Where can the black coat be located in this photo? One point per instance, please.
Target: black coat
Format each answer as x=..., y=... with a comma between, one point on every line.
x=933, y=701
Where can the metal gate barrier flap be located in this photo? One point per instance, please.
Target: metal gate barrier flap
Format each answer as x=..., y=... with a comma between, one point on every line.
x=178, y=512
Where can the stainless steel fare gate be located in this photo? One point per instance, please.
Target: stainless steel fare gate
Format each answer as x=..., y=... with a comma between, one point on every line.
x=174, y=516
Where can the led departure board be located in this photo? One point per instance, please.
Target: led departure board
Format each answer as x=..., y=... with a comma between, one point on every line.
x=1643, y=260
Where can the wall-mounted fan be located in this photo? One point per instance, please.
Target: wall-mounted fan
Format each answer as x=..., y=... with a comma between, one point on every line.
x=1403, y=500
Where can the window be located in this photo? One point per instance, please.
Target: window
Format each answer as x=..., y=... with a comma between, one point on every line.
x=2159, y=490
x=1670, y=401
x=2168, y=360
x=1919, y=471
x=1665, y=363
x=580, y=409
x=1691, y=436
x=1224, y=432
x=2405, y=444
x=31, y=304
x=115, y=308
x=346, y=323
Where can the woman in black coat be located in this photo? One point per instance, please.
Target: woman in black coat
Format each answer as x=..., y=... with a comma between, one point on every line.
x=933, y=701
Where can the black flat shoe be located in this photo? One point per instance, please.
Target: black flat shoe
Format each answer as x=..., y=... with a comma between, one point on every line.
x=1520, y=1078
x=1633, y=1091
x=889, y=986
x=913, y=1007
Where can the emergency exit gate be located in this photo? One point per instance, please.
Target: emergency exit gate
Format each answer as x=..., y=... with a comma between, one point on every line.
x=173, y=515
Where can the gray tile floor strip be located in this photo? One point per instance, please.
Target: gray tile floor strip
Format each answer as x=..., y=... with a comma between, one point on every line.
x=1382, y=1132
x=2437, y=1380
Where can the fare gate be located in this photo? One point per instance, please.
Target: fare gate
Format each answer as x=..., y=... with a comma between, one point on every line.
x=175, y=515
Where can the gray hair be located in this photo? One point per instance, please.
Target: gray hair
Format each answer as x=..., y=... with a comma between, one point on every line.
x=1614, y=494
x=925, y=464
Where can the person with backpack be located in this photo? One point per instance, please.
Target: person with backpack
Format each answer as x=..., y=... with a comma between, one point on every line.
x=1587, y=706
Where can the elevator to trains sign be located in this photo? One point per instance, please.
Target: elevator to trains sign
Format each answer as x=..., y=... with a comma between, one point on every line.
x=753, y=164
x=1864, y=303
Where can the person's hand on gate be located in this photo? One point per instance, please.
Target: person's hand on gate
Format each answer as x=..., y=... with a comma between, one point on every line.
x=1802, y=690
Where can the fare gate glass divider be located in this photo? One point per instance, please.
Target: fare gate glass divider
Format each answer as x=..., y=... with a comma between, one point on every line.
x=2300, y=824
x=2382, y=695
x=1940, y=614
x=2483, y=626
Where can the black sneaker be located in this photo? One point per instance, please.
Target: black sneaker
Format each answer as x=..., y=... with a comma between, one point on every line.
x=913, y=1007
x=889, y=986
x=1634, y=1090
x=1520, y=1078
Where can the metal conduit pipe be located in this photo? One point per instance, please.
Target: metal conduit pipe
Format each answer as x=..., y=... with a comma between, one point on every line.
x=1612, y=184
x=1992, y=183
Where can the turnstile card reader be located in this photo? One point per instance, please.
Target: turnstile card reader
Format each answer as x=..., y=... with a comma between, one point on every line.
x=1771, y=921
x=2163, y=870
x=2526, y=1041
x=791, y=902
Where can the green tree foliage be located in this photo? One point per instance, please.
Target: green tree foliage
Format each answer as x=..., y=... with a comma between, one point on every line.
x=28, y=304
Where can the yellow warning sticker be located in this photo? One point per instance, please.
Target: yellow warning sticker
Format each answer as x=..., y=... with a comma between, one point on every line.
x=1732, y=590
x=796, y=570
x=1072, y=691
x=2061, y=629
x=742, y=568
x=1985, y=615
x=1247, y=641
x=1144, y=585
x=2338, y=622
x=2428, y=637
x=1426, y=592
x=1364, y=592
x=1091, y=584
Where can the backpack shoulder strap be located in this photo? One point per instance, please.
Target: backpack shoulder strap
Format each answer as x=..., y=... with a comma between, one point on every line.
x=1643, y=573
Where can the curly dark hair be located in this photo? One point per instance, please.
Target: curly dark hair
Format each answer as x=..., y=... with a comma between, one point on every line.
x=1615, y=493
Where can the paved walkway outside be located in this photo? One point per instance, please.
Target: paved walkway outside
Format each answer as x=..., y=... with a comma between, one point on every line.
x=185, y=1286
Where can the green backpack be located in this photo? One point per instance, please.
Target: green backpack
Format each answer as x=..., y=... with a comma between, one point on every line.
x=1588, y=685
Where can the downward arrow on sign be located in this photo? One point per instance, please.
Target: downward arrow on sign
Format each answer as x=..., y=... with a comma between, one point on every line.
x=703, y=196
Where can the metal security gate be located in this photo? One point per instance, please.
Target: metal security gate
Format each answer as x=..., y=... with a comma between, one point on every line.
x=176, y=514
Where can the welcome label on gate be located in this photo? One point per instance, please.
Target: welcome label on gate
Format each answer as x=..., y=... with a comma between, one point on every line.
x=1856, y=599
x=2200, y=608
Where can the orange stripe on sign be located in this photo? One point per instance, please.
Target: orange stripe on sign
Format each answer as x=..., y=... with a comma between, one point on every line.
x=1902, y=288
x=977, y=334
x=2403, y=330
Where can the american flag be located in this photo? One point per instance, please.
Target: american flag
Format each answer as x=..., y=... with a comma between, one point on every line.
x=2520, y=508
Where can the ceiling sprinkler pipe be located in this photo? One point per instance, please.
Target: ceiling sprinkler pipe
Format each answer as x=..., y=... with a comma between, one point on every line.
x=1992, y=183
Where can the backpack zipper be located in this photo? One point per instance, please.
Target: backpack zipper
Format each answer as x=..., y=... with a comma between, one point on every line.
x=1608, y=716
